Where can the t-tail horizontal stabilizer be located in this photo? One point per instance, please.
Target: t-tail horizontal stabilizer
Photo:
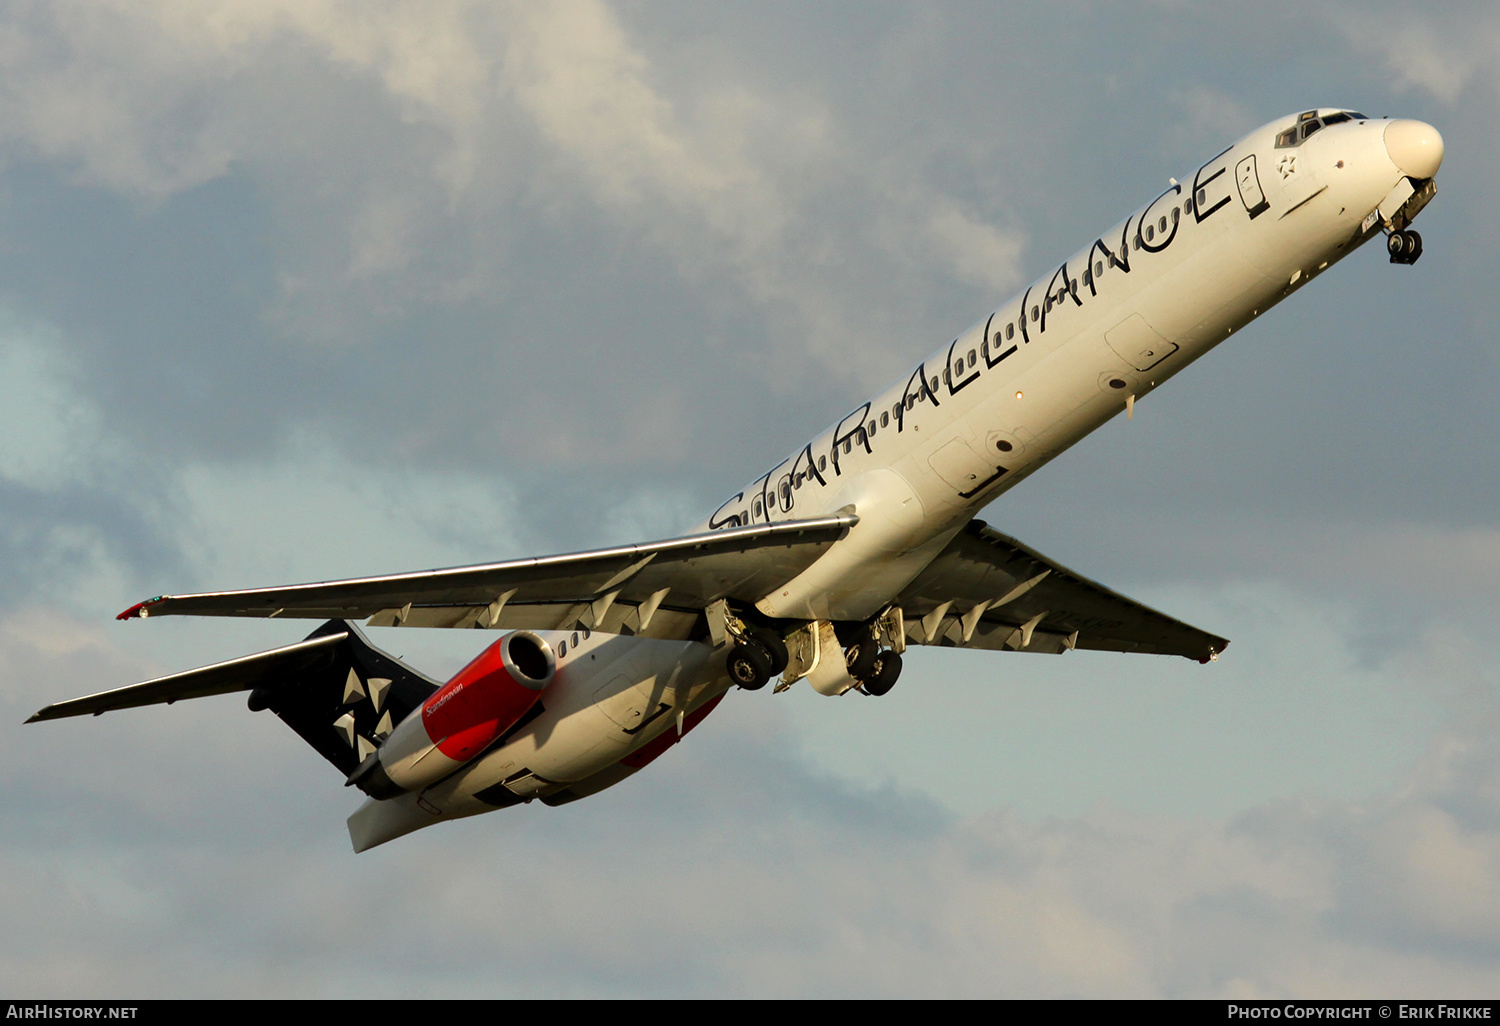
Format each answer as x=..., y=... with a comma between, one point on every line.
x=335, y=689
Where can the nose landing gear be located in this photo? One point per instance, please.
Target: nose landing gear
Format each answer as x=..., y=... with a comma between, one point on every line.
x=1405, y=247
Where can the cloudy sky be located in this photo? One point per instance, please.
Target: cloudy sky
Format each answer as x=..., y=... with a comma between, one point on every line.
x=304, y=289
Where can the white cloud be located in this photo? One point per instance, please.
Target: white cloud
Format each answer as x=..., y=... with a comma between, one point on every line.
x=173, y=829
x=1438, y=56
x=418, y=135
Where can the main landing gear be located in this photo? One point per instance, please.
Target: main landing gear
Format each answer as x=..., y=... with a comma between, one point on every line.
x=760, y=654
x=1405, y=247
x=756, y=658
x=874, y=667
x=883, y=675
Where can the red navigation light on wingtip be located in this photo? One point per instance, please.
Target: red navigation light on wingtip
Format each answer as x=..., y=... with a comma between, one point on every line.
x=137, y=610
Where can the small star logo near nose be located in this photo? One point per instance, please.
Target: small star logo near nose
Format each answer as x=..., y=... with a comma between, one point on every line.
x=1288, y=166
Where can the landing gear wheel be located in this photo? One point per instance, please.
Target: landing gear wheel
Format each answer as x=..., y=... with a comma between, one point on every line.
x=861, y=658
x=774, y=646
x=887, y=669
x=1405, y=247
x=749, y=665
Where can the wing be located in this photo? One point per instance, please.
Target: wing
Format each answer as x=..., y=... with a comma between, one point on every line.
x=987, y=590
x=657, y=589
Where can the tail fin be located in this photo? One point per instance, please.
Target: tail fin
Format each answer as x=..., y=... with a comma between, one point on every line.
x=335, y=689
x=351, y=702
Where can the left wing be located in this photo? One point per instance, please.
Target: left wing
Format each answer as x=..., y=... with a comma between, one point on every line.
x=987, y=590
x=656, y=589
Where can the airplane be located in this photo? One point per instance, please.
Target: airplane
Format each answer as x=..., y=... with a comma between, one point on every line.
x=855, y=546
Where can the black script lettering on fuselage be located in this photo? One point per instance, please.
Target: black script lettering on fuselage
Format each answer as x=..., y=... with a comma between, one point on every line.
x=1155, y=228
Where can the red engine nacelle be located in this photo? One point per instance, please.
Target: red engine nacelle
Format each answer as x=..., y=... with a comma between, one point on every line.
x=462, y=718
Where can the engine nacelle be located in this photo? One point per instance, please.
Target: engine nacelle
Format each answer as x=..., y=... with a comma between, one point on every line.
x=462, y=718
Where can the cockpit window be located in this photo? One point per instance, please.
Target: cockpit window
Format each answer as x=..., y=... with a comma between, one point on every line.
x=1309, y=122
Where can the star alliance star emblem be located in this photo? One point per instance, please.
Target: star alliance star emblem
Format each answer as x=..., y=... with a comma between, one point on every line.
x=1288, y=166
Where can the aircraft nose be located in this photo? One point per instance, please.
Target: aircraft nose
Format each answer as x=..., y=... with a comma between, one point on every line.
x=1415, y=147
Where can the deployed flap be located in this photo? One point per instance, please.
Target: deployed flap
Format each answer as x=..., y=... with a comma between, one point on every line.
x=656, y=589
x=987, y=590
x=339, y=692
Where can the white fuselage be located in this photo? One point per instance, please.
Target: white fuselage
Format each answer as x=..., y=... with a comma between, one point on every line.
x=980, y=413
x=1109, y=324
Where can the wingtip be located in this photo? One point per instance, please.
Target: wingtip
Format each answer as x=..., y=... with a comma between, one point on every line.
x=139, y=610
x=1214, y=653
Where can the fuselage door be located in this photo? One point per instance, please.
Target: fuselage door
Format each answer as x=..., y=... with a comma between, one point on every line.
x=1250, y=190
